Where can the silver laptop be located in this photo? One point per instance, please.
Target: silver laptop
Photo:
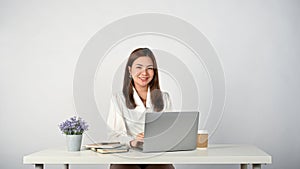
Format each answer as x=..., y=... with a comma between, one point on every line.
x=170, y=131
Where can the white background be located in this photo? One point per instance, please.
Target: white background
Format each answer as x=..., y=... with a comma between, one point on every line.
x=257, y=42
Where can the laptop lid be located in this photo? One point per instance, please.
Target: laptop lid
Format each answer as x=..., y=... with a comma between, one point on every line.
x=170, y=131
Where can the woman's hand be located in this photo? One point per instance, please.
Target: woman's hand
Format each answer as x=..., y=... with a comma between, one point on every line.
x=139, y=140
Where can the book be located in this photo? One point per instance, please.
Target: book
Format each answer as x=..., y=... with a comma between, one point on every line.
x=121, y=149
x=104, y=145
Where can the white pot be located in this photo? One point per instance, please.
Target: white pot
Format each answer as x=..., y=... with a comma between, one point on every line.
x=74, y=142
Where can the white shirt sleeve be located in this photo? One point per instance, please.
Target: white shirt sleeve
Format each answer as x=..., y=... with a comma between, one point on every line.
x=116, y=125
x=168, y=103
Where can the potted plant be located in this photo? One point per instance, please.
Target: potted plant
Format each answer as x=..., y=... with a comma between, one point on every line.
x=74, y=128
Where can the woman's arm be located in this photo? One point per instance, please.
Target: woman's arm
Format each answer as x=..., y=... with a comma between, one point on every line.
x=116, y=125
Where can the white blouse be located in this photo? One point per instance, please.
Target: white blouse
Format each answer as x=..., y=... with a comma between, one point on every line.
x=124, y=123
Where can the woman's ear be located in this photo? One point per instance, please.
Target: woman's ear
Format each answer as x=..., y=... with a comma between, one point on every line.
x=129, y=69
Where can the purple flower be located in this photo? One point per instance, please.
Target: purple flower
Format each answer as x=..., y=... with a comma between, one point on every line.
x=74, y=126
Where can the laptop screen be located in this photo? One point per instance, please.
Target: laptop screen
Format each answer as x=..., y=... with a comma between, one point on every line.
x=170, y=131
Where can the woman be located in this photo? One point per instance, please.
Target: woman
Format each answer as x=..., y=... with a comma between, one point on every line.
x=141, y=93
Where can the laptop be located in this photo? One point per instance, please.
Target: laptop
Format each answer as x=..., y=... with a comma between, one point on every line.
x=170, y=131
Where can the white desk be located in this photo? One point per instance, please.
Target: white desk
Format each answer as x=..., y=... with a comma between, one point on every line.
x=215, y=154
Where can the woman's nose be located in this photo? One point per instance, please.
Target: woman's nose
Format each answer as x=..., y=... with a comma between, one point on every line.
x=144, y=71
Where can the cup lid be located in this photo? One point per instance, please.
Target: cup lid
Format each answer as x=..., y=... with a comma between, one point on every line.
x=202, y=132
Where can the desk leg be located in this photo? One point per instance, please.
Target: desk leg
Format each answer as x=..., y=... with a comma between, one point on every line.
x=39, y=166
x=244, y=166
x=66, y=166
x=256, y=166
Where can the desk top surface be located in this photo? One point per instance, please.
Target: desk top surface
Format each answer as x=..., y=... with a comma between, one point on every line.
x=214, y=154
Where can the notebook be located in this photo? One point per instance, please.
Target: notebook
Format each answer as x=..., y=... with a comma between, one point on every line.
x=170, y=131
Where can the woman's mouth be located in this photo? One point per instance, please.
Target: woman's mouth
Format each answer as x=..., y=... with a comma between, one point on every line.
x=144, y=79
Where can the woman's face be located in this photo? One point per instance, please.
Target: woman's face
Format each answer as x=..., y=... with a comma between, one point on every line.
x=142, y=71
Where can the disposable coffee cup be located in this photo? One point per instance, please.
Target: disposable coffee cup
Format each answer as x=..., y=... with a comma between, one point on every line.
x=202, y=139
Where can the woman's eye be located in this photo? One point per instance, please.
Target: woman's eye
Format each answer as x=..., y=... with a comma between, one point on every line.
x=138, y=67
x=150, y=68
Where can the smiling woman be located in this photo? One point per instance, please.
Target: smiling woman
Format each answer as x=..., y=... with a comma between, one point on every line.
x=141, y=93
x=141, y=74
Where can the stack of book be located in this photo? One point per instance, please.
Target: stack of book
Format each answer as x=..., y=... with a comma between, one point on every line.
x=107, y=147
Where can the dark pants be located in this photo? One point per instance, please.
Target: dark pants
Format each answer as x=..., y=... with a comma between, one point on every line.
x=142, y=166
